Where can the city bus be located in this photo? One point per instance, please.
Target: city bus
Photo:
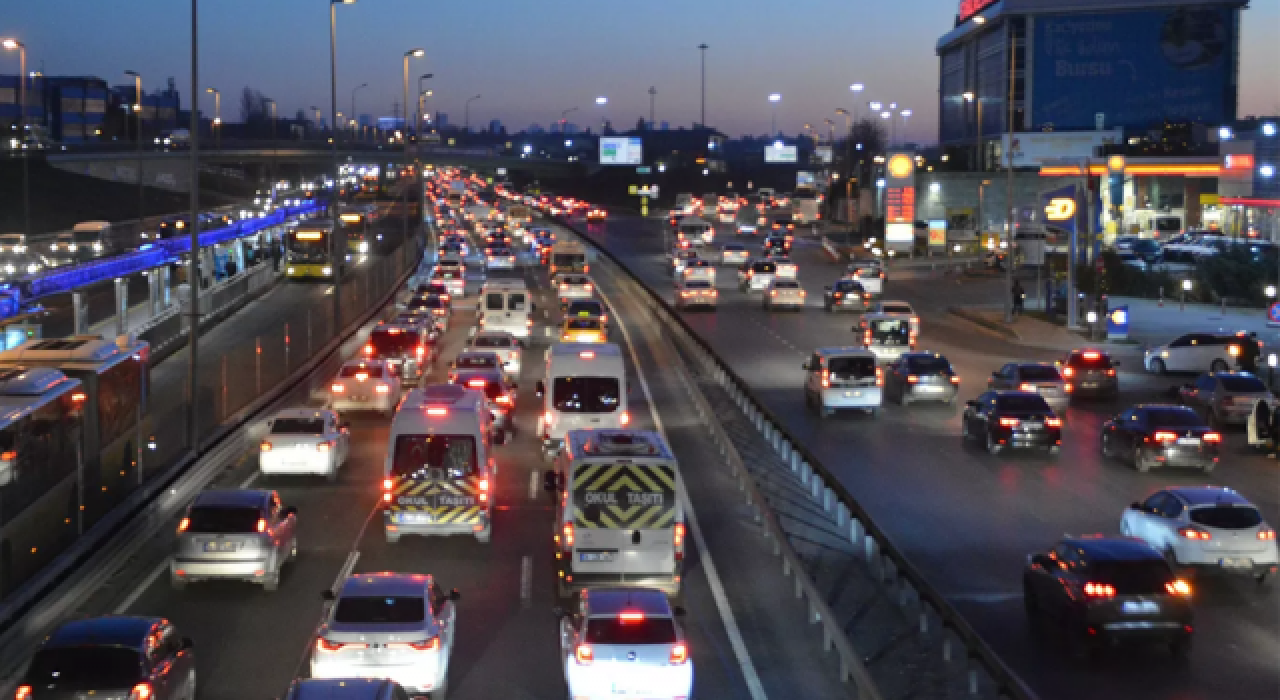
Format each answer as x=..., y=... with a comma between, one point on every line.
x=116, y=380
x=40, y=470
x=309, y=250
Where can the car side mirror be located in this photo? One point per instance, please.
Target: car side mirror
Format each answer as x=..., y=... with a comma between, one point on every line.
x=290, y=511
x=328, y=596
x=454, y=595
x=539, y=389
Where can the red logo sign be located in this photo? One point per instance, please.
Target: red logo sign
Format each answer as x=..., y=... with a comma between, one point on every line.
x=1238, y=161
x=969, y=8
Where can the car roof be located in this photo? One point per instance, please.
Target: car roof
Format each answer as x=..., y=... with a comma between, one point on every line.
x=386, y=583
x=922, y=356
x=1162, y=407
x=1209, y=495
x=611, y=601
x=1114, y=548
x=302, y=413
x=110, y=630
x=844, y=351
x=365, y=363
x=255, y=498
x=1022, y=365
x=478, y=352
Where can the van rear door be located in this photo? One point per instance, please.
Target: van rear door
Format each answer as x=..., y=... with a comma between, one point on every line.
x=624, y=519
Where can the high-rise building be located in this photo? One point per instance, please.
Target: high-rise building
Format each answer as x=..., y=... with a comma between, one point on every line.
x=495, y=125
x=442, y=120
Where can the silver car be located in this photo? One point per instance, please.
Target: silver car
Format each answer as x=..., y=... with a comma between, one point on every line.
x=1037, y=377
x=734, y=254
x=1225, y=398
x=388, y=625
x=783, y=292
x=236, y=534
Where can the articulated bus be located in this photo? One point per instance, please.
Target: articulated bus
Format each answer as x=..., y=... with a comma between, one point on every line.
x=41, y=473
x=309, y=250
x=357, y=223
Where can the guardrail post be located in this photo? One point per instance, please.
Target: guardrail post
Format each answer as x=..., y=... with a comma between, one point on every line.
x=855, y=530
x=165, y=281
x=122, y=305
x=828, y=496
x=80, y=313
x=794, y=462
x=869, y=548
x=805, y=472
x=815, y=487
x=842, y=514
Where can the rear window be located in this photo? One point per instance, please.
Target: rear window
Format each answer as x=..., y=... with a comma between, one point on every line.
x=585, y=394
x=928, y=365
x=515, y=302
x=1133, y=577
x=1174, y=417
x=386, y=342
x=851, y=367
x=868, y=273
x=223, y=519
x=697, y=284
x=1251, y=385
x=897, y=309
x=1021, y=404
x=589, y=307
x=1227, y=517
x=1092, y=361
x=414, y=454
x=764, y=267
x=493, y=302
x=380, y=610
x=298, y=426
x=582, y=324
x=848, y=286
x=85, y=667
x=651, y=630
x=786, y=284
x=372, y=372
x=491, y=341
x=1039, y=373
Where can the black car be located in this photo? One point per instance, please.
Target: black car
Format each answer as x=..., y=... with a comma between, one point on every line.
x=1167, y=435
x=174, y=226
x=1090, y=372
x=1017, y=419
x=845, y=294
x=775, y=243
x=112, y=657
x=921, y=376
x=407, y=348
x=1103, y=590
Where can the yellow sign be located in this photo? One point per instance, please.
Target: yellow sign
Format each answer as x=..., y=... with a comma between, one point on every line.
x=900, y=165
x=1209, y=200
x=1060, y=209
x=1115, y=164
x=633, y=189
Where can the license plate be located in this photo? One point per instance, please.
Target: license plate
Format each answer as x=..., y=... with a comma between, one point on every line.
x=1088, y=385
x=601, y=557
x=413, y=518
x=1235, y=563
x=221, y=546
x=1194, y=442
x=1139, y=607
x=852, y=394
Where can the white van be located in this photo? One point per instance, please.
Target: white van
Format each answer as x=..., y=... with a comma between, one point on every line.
x=621, y=523
x=505, y=305
x=585, y=388
x=438, y=475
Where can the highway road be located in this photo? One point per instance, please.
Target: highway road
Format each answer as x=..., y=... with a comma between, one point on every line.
x=968, y=519
x=250, y=644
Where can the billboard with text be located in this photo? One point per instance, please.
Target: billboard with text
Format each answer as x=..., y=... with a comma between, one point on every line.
x=779, y=153
x=621, y=150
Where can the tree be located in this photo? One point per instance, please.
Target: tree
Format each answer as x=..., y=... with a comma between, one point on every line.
x=866, y=140
x=640, y=125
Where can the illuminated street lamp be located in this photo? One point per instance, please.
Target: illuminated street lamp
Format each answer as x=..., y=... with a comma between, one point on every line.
x=411, y=53
x=774, y=99
x=217, y=115
x=21, y=48
x=137, y=110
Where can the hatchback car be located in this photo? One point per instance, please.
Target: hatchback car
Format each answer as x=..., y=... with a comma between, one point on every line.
x=573, y=286
x=845, y=295
x=1036, y=377
x=140, y=658
x=239, y=534
x=1161, y=435
x=388, y=625
x=922, y=376
x=843, y=378
x=696, y=293
x=583, y=330
x=1090, y=372
x=499, y=258
x=625, y=643
x=1209, y=528
x=1103, y=590
x=1012, y=419
x=1225, y=398
x=1193, y=352
x=475, y=359
x=756, y=275
x=734, y=254
x=439, y=306
x=305, y=441
x=588, y=308
x=783, y=292
x=502, y=344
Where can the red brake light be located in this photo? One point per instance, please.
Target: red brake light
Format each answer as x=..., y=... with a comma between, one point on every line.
x=1068, y=372
x=1099, y=590
x=626, y=617
x=955, y=379
x=1053, y=422
x=362, y=376
x=1009, y=422
x=476, y=383
x=1211, y=437
x=23, y=692
x=323, y=644
x=1267, y=534
x=262, y=525
x=912, y=379
x=1178, y=587
x=1027, y=387
x=386, y=484
x=1195, y=533
x=1164, y=436
x=265, y=446
x=1090, y=355
x=587, y=354
x=568, y=535
x=437, y=411
x=368, y=349
x=325, y=446
x=432, y=644
x=879, y=377
x=679, y=654
x=584, y=655
x=624, y=419
x=338, y=388
x=382, y=389
x=186, y=523
x=1111, y=373
x=421, y=350
x=141, y=691
x=504, y=400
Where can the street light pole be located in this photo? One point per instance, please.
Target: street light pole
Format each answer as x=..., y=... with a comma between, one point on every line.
x=216, y=124
x=193, y=261
x=411, y=53
x=702, y=48
x=422, y=109
x=272, y=103
x=21, y=48
x=564, y=114
x=353, y=106
x=466, y=114
x=1012, y=211
x=137, y=108
x=337, y=257
x=774, y=99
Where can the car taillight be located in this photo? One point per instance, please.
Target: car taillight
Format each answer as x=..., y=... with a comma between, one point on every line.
x=1067, y=388
x=324, y=446
x=1027, y=387
x=432, y=644
x=420, y=350
x=504, y=400
x=141, y=691
x=678, y=540
x=1099, y=590
x=567, y=541
x=1068, y=372
x=382, y=389
x=1195, y=533
x=679, y=654
x=1111, y=373
x=1009, y=422
x=583, y=655
x=368, y=349
x=323, y=644
x=265, y=446
x=826, y=378
x=22, y=692
x=912, y=379
x=1211, y=437
x=866, y=338
x=879, y=377
x=1164, y=436
x=624, y=419
x=186, y=523
x=262, y=525
x=1267, y=534
x=1178, y=587
x=955, y=379
x=1053, y=422
x=338, y=388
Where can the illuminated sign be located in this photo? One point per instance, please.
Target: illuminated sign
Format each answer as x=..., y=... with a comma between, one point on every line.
x=969, y=8
x=937, y=232
x=899, y=233
x=900, y=205
x=900, y=165
x=1238, y=161
x=1060, y=209
x=1115, y=164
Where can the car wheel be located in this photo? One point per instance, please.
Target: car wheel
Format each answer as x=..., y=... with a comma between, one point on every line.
x=1157, y=366
x=1139, y=462
x=1217, y=366
x=992, y=446
x=271, y=583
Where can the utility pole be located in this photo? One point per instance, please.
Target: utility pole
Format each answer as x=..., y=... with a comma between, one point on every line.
x=1012, y=210
x=193, y=262
x=137, y=110
x=702, y=48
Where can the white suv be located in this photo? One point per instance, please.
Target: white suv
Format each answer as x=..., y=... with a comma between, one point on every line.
x=1194, y=352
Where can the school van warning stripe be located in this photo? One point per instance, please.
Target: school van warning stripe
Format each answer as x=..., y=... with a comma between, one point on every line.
x=624, y=496
x=448, y=502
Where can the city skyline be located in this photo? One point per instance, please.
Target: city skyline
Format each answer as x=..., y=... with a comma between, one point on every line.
x=591, y=53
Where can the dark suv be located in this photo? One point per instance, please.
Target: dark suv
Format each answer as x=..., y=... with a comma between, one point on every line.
x=112, y=657
x=1103, y=590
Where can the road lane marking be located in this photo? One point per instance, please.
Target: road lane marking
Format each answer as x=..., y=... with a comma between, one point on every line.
x=533, y=485
x=989, y=598
x=347, y=567
x=142, y=587
x=526, y=582
x=749, y=675
x=249, y=481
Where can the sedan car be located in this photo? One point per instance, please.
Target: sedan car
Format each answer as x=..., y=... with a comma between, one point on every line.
x=1225, y=398
x=242, y=534
x=305, y=441
x=922, y=376
x=696, y=293
x=583, y=330
x=756, y=275
x=500, y=399
x=388, y=625
x=502, y=344
x=438, y=306
x=141, y=658
x=1090, y=372
x=845, y=295
x=783, y=292
x=1037, y=377
x=776, y=244
x=573, y=286
x=474, y=359
x=1209, y=528
x=365, y=385
x=625, y=643
x=454, y=277
x=588, y=308
x=1012, y=419
x=499, y=258
x=1164, y=435
x=681, y=258
x=596, y=214
x=734, y=254
x=1102, y=590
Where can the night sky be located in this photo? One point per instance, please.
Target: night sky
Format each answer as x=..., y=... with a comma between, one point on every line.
x=530, y=61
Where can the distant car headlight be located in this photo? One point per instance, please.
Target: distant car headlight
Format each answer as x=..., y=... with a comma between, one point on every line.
x=72, y=247
x=326, y=271
x=33, y=268
x=19, y=249
x=10, y=269
x=364, y=246
x=53, y=246
x=97, y=247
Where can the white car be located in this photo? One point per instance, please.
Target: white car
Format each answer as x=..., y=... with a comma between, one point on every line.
x=841, y=378
x=365, y=385
x=625, y=643
x=454, y=277
x=680, y=260
x=500, y=259
x=869, y=274
x=502, y=344
x=1193, y=352
x=783, y=292
x=305, y=441
x=898, y=307
x=388, y=625
x=573, y=286
x=1205, y=527
x=692, y=293
x=756, y=275
x=734, y=254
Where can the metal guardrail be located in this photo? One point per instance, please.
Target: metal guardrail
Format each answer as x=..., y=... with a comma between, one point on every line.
x=892, y=567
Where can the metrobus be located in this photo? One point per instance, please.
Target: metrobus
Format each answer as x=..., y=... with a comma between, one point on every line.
x=310, y=250
x=357, y=223
x=41, y=472
x=116, y=380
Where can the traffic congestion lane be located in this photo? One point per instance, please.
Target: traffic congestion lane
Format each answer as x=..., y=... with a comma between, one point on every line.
x=948, y=507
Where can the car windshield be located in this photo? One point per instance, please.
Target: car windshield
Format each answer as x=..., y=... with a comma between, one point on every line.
x=1174, y=417
x=1133, y=577
x=1022, y=403
x=928, y=365
x=389, y=610
x=582, y=324
x=297, y=426
x=896, y=309
x=1092, y=360
x=87, y=667
x=764, y=268
x=1243, y=385
x=851, y=367
x=223, y=519
x=786, y=284
x=1039, y=373
x=615, y=630
x=414, y=454
x=356, y=371
x=585, y=394
x=1227, y=517
x=491, y=341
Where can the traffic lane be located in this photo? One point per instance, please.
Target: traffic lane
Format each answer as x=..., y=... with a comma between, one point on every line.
x=990, y=509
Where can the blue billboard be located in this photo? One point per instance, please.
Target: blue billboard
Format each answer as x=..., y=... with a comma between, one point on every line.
x=1136, y=68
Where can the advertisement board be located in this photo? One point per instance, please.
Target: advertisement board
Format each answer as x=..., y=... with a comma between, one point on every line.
x=937, y=233
x=805, y=178
x=823, y=154
x=779, y=153
x=621, y=150
x=1036, y=148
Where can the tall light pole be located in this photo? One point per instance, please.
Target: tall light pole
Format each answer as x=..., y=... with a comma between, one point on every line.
x=217, y=116
x=653, y=92
x=702, y=49
x=979, y=162
x=831, y=131
x=272, y=103
x=774, y=99
x=193, y=259
x=848, y=159
x=601, y=102
x=466, y=113
x=21, y=48
x=904, y=114
x=417, y=121
x=564, y=117
x=411, y=53
x=337, y=257
x=137, y=111
x=353, y=102
x=1008, y=202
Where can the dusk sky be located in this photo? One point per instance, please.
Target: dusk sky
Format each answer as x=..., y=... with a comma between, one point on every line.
x=529, y=60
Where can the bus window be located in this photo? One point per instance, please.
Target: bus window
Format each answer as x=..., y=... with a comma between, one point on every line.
x=119, y=401
x=37, y=452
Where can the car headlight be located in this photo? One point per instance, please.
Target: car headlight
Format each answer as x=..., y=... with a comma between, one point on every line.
x=33, y=268
x=9, y=269
x=53, y=246
x=19, y=249
x=97, y=247
x=72, y=247
x=326, y=271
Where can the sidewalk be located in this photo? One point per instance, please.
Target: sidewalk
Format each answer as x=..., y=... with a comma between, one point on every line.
x=1151, y=323
x=1024, y=330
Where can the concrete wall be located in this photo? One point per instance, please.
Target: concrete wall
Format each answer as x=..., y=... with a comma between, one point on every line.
x=169, y=175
